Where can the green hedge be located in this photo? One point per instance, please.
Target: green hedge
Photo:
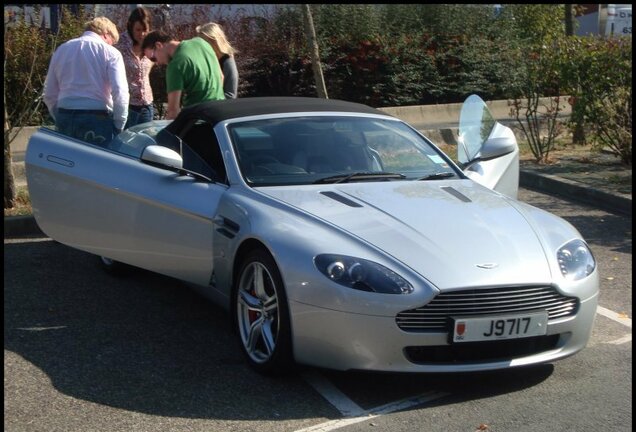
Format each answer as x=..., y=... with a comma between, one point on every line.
x=381, y=55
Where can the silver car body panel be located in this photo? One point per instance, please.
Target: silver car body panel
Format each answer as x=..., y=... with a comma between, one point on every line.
x=500, y=174
x=115, y=206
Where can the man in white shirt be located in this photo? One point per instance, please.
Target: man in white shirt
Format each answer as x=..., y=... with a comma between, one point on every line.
x=86, y=90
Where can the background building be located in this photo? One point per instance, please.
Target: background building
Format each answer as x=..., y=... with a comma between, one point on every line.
x=604, y=19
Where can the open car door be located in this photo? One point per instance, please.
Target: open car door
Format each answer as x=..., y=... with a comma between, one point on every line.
x=135, y=206
x=487, y=150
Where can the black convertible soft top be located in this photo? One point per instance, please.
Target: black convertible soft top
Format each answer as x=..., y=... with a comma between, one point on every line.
x=216, y=111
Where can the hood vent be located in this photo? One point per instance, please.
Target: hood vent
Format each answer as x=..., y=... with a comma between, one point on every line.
x=457, y=194
x=341, y=199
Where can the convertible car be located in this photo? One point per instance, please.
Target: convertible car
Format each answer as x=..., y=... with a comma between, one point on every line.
x=336, y=235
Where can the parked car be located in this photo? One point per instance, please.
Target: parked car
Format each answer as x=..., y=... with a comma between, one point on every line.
x=336, y=235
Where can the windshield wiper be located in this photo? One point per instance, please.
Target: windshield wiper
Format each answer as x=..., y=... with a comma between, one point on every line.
x=437, y=176
x=362, y=175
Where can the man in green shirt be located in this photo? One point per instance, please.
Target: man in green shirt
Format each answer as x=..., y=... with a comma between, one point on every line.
x=193, y=71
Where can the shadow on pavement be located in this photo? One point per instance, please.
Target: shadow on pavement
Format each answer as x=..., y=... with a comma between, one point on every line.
x=147, y=343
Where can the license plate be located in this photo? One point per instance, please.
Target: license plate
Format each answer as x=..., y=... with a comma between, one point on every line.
x=475, y=329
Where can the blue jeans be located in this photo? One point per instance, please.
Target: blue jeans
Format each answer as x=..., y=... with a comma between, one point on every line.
x=92, y=126
x=139, y=114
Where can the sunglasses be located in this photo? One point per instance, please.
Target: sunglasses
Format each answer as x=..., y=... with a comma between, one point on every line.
x=152, y=57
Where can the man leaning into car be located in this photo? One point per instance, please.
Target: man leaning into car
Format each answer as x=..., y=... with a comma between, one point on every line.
x=86, y=90
x=193, y=69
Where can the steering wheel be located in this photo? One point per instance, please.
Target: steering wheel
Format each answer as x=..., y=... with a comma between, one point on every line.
x=264, y=159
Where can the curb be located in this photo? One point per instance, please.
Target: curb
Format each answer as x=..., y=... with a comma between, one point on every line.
x=26, y=226
x=553, y=185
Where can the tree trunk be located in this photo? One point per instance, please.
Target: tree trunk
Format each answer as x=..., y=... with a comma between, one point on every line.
x=315, y=56
x=578, y=133
x=569, y=24
x=9, y=181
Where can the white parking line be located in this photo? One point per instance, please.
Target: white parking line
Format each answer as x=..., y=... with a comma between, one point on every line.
x=619, y=318
x=334, y=424
x=30, y=240
x=352, y=411
x=335, y=397
x=355, y=414
x=374, y=412
x=614, y=316
x=40, y=328
x=620, y=341
x=407, y=403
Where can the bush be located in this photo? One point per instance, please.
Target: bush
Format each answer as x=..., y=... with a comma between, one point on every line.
x=598, y=75
x=381, y=55
x=28, y=52
x=612, y=124
x=539, y=121
x=26, y=62
x=274, y=59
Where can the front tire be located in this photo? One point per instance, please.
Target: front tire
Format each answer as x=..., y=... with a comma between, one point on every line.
x=261, y=314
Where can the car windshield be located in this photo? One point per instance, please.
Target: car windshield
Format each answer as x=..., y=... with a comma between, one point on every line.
x=334, y=149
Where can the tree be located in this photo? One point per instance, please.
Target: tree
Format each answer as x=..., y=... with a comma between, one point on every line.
x=540, y=60
x=569, y=25
x=23, y=75
x=9, y=181
x=28, y=50
x=315, y=55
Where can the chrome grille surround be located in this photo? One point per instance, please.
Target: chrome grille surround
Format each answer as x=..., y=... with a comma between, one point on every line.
x=434, y=316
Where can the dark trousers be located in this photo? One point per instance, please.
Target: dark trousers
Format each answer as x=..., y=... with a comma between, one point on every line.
x=138, y=114
x=92, y=126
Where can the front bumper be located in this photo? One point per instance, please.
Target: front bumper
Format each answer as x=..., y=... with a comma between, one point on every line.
x=343, y=341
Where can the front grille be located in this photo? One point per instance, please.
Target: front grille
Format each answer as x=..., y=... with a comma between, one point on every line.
x=434, y=316
x=476, y=352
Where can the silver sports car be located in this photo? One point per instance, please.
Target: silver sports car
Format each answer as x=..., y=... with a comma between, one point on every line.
x=336, y=235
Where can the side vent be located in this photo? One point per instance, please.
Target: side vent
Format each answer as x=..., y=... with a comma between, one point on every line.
x=226, y=227
x=341, y=199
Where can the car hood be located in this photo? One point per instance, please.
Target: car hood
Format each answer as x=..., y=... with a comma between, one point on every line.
x=450, y=232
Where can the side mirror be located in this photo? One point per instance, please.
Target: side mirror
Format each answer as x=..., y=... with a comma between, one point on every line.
x=496, y=147
x=162, y=157
x=501, y=142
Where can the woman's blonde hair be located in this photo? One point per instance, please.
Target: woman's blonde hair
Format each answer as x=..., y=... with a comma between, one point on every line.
x=103, y=26
x=213, y=33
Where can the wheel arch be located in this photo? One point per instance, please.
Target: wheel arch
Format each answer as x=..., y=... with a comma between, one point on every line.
x=287, y=357
x=243, y=250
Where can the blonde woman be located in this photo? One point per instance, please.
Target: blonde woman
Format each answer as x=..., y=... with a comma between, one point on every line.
x=214, y=35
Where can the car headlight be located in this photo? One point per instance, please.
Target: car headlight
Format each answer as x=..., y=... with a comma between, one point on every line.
x=576, y=260
x=361, y=274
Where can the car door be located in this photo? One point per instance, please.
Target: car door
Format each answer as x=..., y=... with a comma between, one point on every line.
x=114, y=205
x=486, y=149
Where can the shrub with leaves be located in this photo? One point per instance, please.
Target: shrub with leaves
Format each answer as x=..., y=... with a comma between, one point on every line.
x=612, y=124
x=538, y=56
x=539, y=120
x=274, y=59
x=412, y=73
x=28, y=51
x=27, y=55
x=598, y=74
